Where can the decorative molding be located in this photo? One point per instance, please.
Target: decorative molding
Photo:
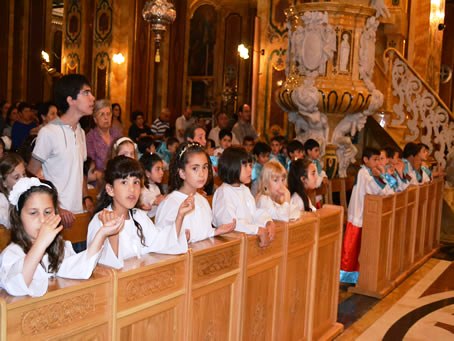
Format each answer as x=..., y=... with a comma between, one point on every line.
x=101, y=75
x=103, y=23
x=73, y=24
x=300, y=236
x=154, y=283
x=56, y=315
x=259, y=320
x=72, y=63
x=208, y=265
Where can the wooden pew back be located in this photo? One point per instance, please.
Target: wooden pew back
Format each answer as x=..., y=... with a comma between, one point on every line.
x=78, y=232
x=5, y=237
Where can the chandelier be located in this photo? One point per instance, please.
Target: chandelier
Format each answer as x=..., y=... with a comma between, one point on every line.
x=159, y=13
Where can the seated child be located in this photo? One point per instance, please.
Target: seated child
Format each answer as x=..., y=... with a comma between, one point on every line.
x=167, y=149
x=12, y=168
x=146, y=145
x=233, y=199
x=262, y=155
x=189, y=171
x=248, y=144
x=312, y=151
x=302, y=178
x=392, y=169
x=295, y=150
x=124, y=146
x=411, y=160
x=368, y=181
x=273, y=195
x=276, y=150
x=124, y=179
x=225, y=141
x=424, y=171
x=151, y=194
x=37, y=250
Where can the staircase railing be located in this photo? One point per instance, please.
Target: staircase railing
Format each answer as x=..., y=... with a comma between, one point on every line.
x=419, y=107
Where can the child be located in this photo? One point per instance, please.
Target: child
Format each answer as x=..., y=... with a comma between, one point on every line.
x=124, y=146
x=295, y=150
x=37, y=251
x=368, y=181
x=312, y=151
x=411, y=160
x=146, y=145
x=210, y=149
x=424, y=172
x=262, y=156
x=167, y=149
x=93, y=177
x=151, y=195
x=248, y=144
x=189, y=171
x=392, y=169
x=124, y=178
x=276, y=153
x=225, y=141
x=302, y=178
x=233, y=199
x=12, y=168
x=273, y=195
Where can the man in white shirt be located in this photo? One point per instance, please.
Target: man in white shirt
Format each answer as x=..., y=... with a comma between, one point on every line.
x=182, y=123
x=243, y=126
x=222, y=121
x=60, y=148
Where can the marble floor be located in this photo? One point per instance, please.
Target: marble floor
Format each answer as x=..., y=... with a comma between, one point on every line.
x=422, y=305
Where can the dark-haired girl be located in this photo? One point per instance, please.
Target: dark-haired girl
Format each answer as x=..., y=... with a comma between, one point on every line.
x=189, y=172
x=302, y=177
x=151, y=195
x=124, y=179
x=37, y=251
x=233, y=199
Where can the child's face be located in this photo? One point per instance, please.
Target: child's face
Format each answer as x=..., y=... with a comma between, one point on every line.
x=383, y=160
x=249, y=146
x=372, y=162
x=51, y=114
x=14, y=176
x=172, y=148
x=263, y=158
x=125, y=193
x=92, y=173
x=127, y=149
x=424, y=154
x=275, y=147
x=311, y=181
x=195, y=173
x=297, y=154
x=209, y=149
x=314, y=153
x=156, y=174
x=246, y=172
x=36, y=209
x=277, y=186
x=199, y=136
x=225, y=142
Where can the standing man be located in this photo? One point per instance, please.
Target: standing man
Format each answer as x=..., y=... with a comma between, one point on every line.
x=161, y=126
x=60, y=148
x=243, y=126
x=182, y=123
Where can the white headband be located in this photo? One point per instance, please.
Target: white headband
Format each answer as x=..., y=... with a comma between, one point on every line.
x=124, y=139
x=21, y=186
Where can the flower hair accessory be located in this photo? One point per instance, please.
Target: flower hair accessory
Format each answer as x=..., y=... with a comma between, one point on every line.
x=21, y=186
x=124, y=139
x=188, y=146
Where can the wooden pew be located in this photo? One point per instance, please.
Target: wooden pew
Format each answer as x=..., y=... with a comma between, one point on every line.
x=5, y=237
x=214, y=288
x=150, y=298
x=326, y=274
x=262, y=287
x=71, y=310
x=78, y=231
x=300, y=260
x=421, y=219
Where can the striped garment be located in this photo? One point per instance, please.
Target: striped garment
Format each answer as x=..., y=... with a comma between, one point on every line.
x=159, y=127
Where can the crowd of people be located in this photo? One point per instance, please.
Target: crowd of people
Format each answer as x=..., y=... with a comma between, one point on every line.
x=47, y=169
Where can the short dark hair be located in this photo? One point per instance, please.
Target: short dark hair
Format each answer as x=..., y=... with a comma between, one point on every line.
x=172, y=140
x=294, y=145
x=389, y=151
x=210, y=143
x=369, y=152
x=248, y=138
x=410, y=149
x=189, y=133
x=136, y=114
x=277, y=138
x=261, y=148
x=143, y=143
x=310, y=144
x=229, y=165
x=22, y=105
x=68, y=85
x=225, y=132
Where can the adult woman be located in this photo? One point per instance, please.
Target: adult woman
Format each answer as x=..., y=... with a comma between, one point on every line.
x=11, y=116
x=100, y=138
x=116, y=118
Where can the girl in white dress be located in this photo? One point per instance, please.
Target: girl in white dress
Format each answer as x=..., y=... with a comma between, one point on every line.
x=189, y=172
x=273, y=195
x=302, y=177
x=124, y=179
x=151, y=195
x=37, y=250
x=12, y=168
x=233, y=199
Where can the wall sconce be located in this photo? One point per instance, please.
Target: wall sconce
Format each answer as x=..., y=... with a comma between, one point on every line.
x=46, y=68
x=45, y=56
x=118, y=58
x=243, y=51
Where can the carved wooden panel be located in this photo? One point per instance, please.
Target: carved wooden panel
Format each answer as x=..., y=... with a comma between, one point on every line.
x=398, y=237
x=430, y=217
x=260, y=254
x=422, y=212
x=301, y=233
x=409, y=229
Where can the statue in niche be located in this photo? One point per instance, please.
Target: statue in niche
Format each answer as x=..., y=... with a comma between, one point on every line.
x=367, y=52
x=381, y=9
x=344, y=53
